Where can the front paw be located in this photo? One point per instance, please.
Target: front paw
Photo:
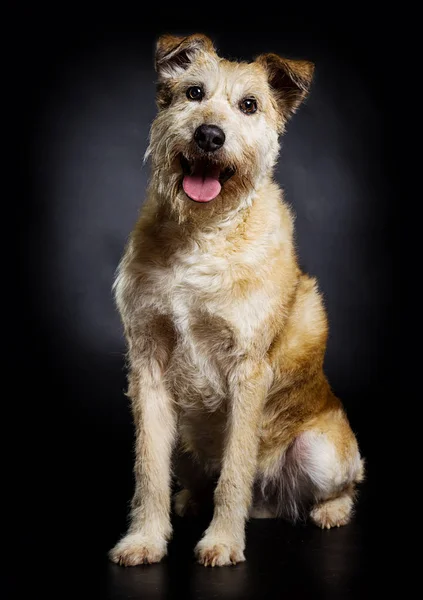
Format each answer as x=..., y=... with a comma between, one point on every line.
x=215, y=552
x=137, y=549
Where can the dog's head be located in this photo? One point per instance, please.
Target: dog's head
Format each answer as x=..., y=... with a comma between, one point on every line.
x=215, y=137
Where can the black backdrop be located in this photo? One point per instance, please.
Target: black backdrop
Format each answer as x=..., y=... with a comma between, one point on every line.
x=85, y=102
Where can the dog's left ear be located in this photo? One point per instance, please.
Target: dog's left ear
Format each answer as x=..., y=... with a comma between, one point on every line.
x=290, y=80
x=175, y=54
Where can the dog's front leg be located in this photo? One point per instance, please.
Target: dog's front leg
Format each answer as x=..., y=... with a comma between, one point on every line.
x=154, y=418
x=224, y=541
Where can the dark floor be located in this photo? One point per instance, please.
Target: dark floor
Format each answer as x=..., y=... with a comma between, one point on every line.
x=282, y=561
x=69, y=504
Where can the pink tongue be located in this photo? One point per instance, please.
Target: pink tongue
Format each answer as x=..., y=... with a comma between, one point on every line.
x=203, y=185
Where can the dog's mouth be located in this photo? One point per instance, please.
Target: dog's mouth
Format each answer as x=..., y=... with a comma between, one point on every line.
x=203, y=179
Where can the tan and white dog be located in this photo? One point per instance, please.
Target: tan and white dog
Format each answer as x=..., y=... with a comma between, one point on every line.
x=226, y=335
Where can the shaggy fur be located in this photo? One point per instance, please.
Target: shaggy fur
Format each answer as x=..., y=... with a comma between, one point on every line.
x=226, y=336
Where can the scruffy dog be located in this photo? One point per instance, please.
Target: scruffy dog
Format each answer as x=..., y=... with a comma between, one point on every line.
x=226, y=336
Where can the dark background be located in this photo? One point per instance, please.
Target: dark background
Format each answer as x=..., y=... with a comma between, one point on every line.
x=85, y=101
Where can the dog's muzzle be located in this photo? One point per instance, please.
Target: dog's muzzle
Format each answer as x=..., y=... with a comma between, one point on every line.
x=203, y=176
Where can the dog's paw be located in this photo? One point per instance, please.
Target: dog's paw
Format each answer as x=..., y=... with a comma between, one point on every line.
x=216, y=553
x=184, y=504
x=332, y=513
x=138, y=549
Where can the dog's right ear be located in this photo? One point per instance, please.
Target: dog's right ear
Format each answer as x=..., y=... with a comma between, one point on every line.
x=175, y=54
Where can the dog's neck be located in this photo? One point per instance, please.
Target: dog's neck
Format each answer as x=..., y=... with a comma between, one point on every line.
x=219, y=232
x=194, y=219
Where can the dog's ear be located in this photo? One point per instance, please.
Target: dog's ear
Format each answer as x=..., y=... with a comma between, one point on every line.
x=175, y=54
x=290, y=80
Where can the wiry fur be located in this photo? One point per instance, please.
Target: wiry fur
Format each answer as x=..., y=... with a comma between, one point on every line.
x=226, y=336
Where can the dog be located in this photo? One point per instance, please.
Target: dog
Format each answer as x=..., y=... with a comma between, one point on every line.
x=226, y=335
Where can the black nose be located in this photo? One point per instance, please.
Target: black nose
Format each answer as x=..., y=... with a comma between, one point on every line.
x=209, y=137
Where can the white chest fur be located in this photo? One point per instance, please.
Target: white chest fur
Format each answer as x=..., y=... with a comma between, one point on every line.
x=203, y=283
x=198, y=290
x=213, y=324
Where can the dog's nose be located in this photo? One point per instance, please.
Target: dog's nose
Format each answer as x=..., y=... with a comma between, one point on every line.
x=209, y=137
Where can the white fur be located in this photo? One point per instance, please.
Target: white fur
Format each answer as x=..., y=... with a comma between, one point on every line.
x=310, y=470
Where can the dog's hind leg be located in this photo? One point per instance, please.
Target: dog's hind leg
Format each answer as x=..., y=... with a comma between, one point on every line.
x=334, y=512
x=184, y=503
x=333, y=466
x=316, y=476
x=196, y=494
x=262, y=511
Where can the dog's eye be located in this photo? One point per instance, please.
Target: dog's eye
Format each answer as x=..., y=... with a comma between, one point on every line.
x=195, y=93
x=248, y=106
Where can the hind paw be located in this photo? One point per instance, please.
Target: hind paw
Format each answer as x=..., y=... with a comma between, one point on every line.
x=332, y=513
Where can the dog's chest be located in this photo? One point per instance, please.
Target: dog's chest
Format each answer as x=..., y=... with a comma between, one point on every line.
x=213, y=326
